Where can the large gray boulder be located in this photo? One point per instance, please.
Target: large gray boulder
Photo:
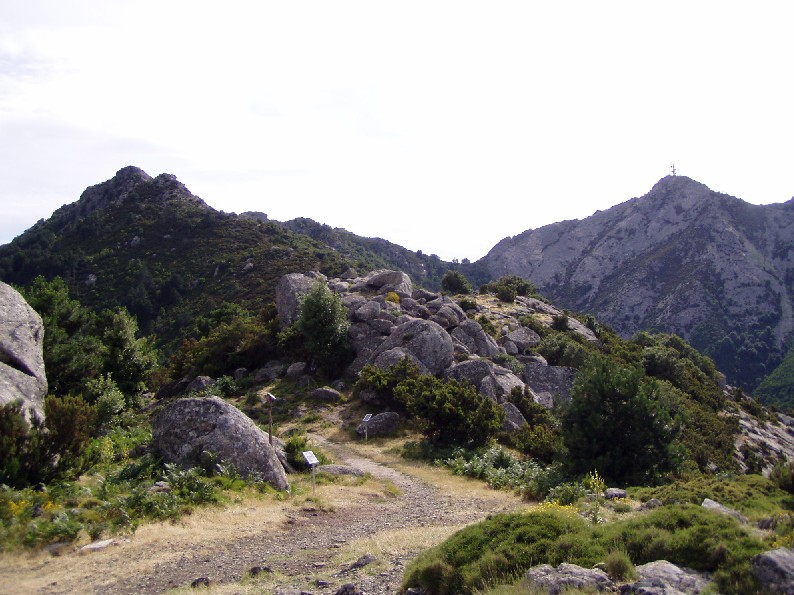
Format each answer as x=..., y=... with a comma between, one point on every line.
x=566, y=576
x=513, y=419
x=382, y=424
x=425, y=340
x=551, y=384
x=523, y=338
x=186, y=428
x=385, y=281
x=475, y=340
x=289, y=291
x=722, y=509
x=665, y=578
x=774, y=570
x=490, y=379
x=22, y=376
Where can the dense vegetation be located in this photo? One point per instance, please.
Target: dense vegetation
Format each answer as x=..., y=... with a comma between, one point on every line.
x=499, y=550
x=775, y=389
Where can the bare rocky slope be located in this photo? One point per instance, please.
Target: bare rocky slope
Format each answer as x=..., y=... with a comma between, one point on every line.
x=682, y=259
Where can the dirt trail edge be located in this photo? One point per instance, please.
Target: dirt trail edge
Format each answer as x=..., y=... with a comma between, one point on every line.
x=300, y=550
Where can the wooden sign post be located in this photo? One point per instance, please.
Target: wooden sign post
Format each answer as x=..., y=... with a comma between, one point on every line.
x=312, y=462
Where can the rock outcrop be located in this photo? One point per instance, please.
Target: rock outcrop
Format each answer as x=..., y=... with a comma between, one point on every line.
x=566, y=576
x=426, y=327
x=289, y=291
x=187, y=428
x=382, y=424
x=22, y=374
x=774, y=570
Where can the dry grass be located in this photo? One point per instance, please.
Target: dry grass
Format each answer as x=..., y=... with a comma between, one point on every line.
x=40, y=571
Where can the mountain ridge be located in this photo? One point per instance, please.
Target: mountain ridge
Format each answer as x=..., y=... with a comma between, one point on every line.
x=682, y=259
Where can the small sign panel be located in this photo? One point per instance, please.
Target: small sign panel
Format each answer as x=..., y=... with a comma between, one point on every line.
x=367, y=417
x=310, y=459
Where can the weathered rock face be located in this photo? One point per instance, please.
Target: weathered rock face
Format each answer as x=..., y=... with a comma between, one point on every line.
x=490, y=379
x=427, y=328
x=385, y=281
x=289, y=291
x=474, y=340
x=551, y=384
x=22, y=375
x=774, y=570
x=771, y=440
x=430, y=344
x=722, y=509
x=682, y=259
x=188, y=427
x=567, y=576
x=662, y=576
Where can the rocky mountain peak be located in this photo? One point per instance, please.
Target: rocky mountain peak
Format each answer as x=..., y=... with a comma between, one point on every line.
x=130, y=182
x=683, y=259
x=678, y=193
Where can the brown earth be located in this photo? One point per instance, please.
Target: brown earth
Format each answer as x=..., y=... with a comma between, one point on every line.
x=303, y=544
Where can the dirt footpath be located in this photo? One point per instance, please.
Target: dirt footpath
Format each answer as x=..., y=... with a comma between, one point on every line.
x=351, y=533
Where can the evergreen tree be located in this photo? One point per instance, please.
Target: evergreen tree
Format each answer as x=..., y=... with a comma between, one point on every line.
x=322, y=325
x=619, y=422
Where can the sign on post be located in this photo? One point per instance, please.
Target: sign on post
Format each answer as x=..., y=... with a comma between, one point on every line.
x=312, y=462
x=270, y=399
x=367, y=417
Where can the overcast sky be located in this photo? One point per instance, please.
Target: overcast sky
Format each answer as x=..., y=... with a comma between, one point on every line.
x=440, y=126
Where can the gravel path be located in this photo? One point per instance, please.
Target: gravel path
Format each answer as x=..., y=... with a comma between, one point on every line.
x=304, y=550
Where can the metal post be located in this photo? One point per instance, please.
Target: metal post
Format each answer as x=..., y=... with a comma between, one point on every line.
x=270, y=399
x=367, y=417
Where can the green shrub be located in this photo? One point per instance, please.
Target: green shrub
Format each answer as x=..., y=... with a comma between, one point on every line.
x=783, y=476
x=448, y=411
x=560, y=322
x=620, y=424
x=71, y=422
x=467, y=304
x=506, y=545
x=295, y=446
x=566, y=493
x=619, y=566
x=108, y=400
x=506, y=294
x=487, y=325
x=501, y=469
x=383, y=382
x=22, y=456
x=509, y=285
x=561, y=350
x=321, y=330
x=454, y=282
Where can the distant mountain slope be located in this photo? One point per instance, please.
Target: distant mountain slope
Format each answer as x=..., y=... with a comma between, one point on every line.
x=684, y=259
x=150, y=245
x=425, y=270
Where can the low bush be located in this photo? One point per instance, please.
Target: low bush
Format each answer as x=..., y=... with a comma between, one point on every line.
x=619, y=566
x=506, y=545
x=502, y=470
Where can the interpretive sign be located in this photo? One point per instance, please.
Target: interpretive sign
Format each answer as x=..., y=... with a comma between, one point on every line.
x=312, y=462
x=310, y=458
